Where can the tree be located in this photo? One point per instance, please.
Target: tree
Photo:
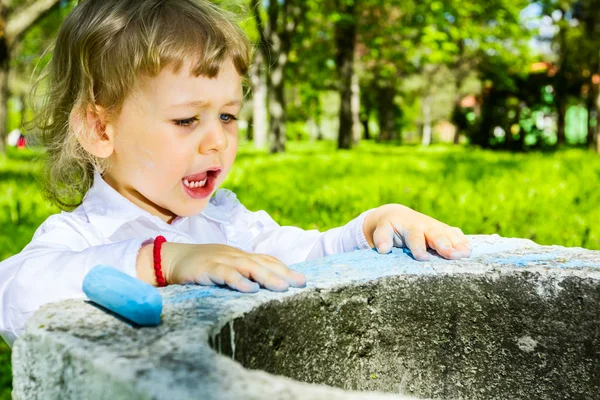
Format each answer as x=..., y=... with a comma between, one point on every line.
x=460, y=34
x=276, y=34
x=345, y=38
x=388, y=38
x=16, y=17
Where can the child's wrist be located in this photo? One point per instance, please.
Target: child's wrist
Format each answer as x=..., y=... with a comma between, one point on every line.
x=144, y=265
x=168, y=252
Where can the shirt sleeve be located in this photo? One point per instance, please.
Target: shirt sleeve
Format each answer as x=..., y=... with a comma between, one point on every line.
x=291, y=244
x=52, y=268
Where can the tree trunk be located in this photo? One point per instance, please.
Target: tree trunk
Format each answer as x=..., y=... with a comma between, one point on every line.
x=365, y=124
x=259, y=101
x=485, y=133
x=520, y=142
x=277, y=107
x=355, y=103
x=457, y=116
x=345, y=128
x=592, y=98
x=456, y=140
x=275, y=41
x=427, y=129
x=385, y=113
x=561, y=84
x=4, y=69
x=561, y=137
x=250, y=129
x=345, y=37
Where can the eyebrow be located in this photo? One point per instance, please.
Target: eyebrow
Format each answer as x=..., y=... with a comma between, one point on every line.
x=201, y=103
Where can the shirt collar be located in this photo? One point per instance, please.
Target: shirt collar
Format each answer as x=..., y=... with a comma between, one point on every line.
x=108, y=210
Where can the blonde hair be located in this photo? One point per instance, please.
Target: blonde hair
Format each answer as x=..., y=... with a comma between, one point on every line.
x=102, y=48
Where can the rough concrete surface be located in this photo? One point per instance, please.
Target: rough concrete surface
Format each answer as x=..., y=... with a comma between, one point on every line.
x=515, y=321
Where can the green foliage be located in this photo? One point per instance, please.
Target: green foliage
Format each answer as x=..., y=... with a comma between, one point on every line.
x=550, y=198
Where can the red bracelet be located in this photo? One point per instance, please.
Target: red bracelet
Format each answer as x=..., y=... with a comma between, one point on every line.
x=158, y=241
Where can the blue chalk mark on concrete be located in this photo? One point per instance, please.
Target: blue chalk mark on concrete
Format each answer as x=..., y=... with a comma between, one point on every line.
x=580, y=264
x=525, y=260
x=124, y=295
x=362, y=266
x=542, y=259
x=358, y=266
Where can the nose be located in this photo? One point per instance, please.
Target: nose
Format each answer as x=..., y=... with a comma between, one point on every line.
x=213, y=139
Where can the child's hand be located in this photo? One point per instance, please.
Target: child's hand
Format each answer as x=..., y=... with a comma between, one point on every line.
x=399, y=226
x=210, y=264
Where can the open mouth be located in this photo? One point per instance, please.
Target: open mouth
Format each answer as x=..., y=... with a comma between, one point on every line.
x=202, y=184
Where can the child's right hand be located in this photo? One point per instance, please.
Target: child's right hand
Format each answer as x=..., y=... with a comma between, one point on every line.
x=217, y=264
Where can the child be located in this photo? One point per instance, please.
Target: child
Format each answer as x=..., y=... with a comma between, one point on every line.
x=140, y=121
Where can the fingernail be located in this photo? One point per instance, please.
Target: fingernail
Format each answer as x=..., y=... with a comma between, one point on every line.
x=300, y=279
x=456, y=255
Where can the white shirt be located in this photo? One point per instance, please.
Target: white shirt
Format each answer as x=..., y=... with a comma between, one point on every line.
x=108, y=229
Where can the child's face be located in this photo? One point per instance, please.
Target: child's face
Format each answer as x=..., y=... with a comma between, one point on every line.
x=175, y=140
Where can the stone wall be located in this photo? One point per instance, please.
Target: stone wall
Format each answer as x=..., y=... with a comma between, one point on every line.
x=516, y=320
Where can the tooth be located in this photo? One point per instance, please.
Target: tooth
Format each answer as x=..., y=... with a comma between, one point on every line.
x=194, y=184
x=203, y=182
x=186, y=182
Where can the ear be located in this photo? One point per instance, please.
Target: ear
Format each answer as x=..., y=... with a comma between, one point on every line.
x=95, y=134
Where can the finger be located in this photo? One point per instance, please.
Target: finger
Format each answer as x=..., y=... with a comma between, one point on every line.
x=294, y=278
x=415, y=241
x=223, y=275
x=266, y=278
x=383, y=237
x=440, y=242
x=460, y=241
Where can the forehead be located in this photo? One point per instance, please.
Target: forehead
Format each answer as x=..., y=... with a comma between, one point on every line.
x=172, y=87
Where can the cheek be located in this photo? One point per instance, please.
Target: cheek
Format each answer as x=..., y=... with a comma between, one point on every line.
x=232, y=149
x=176, y=157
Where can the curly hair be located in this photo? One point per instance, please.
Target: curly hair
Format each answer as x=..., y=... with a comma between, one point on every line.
x=102, y=47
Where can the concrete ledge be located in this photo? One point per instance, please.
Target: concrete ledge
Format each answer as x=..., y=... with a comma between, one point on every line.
x=516, y=321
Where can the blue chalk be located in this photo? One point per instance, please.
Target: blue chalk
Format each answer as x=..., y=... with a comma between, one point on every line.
x=124, y=295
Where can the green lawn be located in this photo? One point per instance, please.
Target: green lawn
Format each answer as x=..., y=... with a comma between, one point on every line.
x=551, y=198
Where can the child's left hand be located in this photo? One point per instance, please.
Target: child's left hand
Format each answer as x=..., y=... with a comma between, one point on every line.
x=399, y=226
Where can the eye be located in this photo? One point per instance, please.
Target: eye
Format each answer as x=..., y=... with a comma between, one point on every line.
x=227, y=118
x=185, y=122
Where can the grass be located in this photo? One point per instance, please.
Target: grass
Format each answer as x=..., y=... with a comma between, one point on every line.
x=550, y=198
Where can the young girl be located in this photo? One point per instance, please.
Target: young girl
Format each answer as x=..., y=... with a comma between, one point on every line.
x=140, y=125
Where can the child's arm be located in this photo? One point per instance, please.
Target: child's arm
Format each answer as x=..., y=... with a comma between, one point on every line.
x=379, y=227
